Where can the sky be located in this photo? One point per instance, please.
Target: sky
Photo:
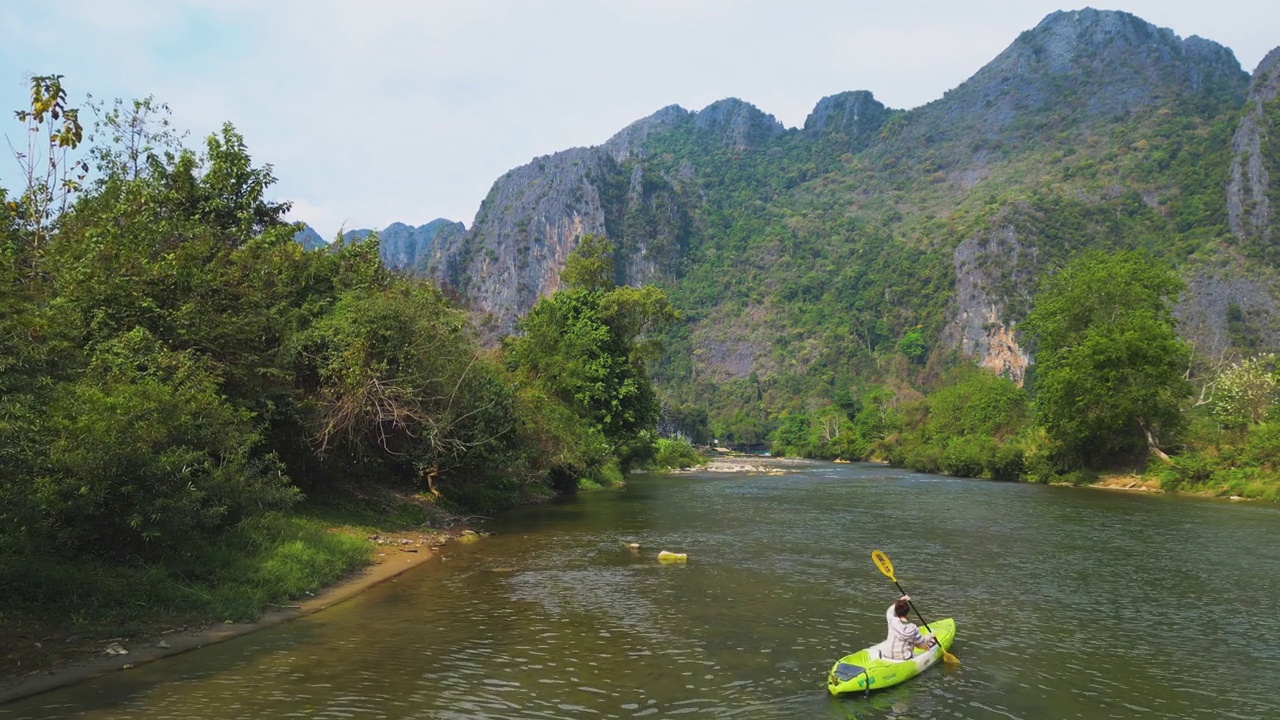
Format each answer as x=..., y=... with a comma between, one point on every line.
x=381, y=111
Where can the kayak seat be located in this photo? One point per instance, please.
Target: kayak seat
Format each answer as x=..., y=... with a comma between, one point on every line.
x=885, y=657
x=845, y=672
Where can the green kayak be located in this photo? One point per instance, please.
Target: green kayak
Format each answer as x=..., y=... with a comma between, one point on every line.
x=866, y=670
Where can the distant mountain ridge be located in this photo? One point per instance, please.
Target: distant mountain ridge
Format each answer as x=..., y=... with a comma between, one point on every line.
x=401, y=246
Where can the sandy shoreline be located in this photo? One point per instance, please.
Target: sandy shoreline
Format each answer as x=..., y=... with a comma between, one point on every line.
x=397, y=553
x=768, y=465
x=764, y=464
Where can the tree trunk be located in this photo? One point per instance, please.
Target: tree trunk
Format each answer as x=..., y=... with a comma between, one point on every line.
x=1151, y=445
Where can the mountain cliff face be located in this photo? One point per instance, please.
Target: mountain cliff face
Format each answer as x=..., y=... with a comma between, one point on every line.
x=1079, y=80
x=1088, y=63
x=853, y=118
x=799, y=256
x=308, y=238
x=404, y=247
x=530, y=221
x=535, y=215
x=1255, y=159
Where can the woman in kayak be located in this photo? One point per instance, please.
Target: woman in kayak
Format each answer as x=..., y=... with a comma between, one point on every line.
x=903, y=635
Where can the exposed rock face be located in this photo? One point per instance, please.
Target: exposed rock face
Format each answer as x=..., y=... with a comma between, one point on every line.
x=1221, y=309
x=1076, y=78
x=979, y=328
x=1249, y=210
x=531, y=220
x=1100, y=63
x=855, y=116
x=741, y=125
x=535, y=215
x=401, y=247
x=308, y=238
x=629, y=142
x=404, y=247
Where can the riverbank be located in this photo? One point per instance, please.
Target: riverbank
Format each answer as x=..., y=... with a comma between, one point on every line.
x=1120, y=482
x=42, y=653
x=1143, y=484
x=730, y=463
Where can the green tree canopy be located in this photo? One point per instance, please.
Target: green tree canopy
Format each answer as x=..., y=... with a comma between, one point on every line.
x=588, y=346
x=1109, y=372
x=975, y=401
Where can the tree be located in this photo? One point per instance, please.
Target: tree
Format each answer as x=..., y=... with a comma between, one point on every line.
x=142, y=454
x=1246, y=391
x=975, y=401
x=912, y=345
x=589, y=346
x=791, y=437
x=1109, y=364
x=590, y=266
x=52, y=130
x=128, y=137
x=876, y=420
x=394, y=378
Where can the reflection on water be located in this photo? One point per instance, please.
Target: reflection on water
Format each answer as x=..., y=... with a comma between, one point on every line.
x=1070, y=604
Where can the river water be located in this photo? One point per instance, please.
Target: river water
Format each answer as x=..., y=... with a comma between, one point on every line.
x=1069, y=604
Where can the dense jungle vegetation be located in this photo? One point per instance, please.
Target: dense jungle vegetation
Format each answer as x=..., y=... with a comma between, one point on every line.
x=188, y=398
x=1112, y=392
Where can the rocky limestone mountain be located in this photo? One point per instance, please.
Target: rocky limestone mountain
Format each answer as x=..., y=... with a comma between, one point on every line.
x=853, y=117
x=737, y=124
x=1073, y=74
x=308, y=238
x=528, y=224
x=1255, y=157
x=404, y=247
x=1088, y=62
x=401, y=246
x=534, y=215
x=795, y=252
x=630, y=141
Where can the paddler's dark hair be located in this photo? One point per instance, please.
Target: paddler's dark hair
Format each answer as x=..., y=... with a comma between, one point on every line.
x=901, y=608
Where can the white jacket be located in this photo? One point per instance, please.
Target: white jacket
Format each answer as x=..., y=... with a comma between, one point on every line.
x=903, y=636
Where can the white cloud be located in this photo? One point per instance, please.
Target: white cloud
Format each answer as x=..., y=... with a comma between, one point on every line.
x=319, y=217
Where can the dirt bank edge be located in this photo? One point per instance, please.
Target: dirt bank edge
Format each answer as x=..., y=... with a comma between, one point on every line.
x=381, y=569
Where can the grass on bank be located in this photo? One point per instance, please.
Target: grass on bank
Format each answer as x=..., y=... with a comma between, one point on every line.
x=267, y=560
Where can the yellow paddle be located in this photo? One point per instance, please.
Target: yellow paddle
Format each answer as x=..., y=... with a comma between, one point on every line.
x=882, y=561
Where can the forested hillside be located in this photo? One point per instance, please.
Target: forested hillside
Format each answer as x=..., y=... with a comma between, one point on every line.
x=874, y=246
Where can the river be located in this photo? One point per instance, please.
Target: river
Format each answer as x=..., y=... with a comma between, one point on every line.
x=1070, y=603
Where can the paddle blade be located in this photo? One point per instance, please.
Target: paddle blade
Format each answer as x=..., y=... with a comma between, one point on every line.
x=950, y=659
x=882, y=561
